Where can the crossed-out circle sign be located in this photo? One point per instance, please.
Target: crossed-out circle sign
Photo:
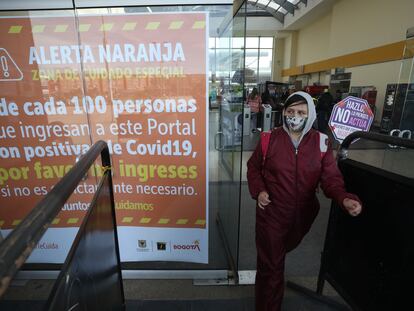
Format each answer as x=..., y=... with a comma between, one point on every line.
x=350, y=115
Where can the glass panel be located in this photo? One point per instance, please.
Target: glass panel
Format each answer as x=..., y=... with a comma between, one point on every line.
x=230, y=134
x=223, y=43
x=156, y=81
x=44, y=133
x=252, y=42
x=212, y=64
x=251, y=66
x=266, y=42
x=142, y=85
x=389, y=158
x=263, y=2
x=273, y=5
x=407, y=77
x=211, y=42
x=121, y=75
x=399, y=160
x=282, y=10
x=237, y=43
x=223, y=61
x=265, y=65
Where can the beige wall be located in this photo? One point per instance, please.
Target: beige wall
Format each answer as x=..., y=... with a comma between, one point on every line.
x=313, y=41
x=358, y=25
x=290, y=49
x=351, y=26
x=278, y=54
x=287, y=53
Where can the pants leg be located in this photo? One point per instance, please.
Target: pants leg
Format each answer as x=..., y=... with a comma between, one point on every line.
x=271, y=253
x=253, y=121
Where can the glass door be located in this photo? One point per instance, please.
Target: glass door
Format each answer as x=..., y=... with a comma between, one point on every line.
x=163, y=85
x=399, y=160
x=230, y=74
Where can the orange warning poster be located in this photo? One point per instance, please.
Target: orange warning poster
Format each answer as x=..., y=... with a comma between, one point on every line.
x=137, y=81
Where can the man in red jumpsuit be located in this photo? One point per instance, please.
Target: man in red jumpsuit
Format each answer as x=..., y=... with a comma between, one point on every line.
x=284, y=183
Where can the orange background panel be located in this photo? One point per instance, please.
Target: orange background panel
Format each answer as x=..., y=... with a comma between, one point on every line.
x=63, y=82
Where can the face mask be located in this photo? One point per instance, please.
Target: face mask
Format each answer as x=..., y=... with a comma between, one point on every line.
x=295, y=124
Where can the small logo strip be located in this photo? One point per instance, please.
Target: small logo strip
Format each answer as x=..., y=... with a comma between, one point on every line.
x=161, y=246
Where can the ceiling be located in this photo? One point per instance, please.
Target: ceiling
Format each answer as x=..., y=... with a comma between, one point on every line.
x=276, y=8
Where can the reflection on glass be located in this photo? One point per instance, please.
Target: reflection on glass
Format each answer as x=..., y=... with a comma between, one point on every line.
x=122, y=77
x=231, y=130
x=263, y=2
x=211, y=42
x=252, y=42
x=266, y=42
x=265, y=65
x=274, y=6
x=223, y=43
x=147, y=86
x=258, y=67
x=282, y=10
x=251, y=63
x=237, y=43
x=41, y=80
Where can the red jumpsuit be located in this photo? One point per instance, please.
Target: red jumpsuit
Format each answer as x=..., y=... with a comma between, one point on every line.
x=290, y=176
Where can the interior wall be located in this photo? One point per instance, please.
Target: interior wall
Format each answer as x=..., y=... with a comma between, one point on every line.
x=359, y=25
x=313, y=41
x=290, y=52
x=278, y=54
x=287, y=61
x=352, y=26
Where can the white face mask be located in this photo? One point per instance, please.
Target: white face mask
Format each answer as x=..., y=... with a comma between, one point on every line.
x=295, y=124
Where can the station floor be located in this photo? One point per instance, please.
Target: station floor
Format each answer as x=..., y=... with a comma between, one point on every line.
x=302, y=264
x=302, y=267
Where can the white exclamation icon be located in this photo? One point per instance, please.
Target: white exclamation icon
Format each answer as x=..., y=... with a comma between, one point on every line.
x=4, y=66
x=9, y=71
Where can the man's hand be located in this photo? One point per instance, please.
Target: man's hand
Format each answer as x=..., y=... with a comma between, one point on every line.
x=353, y=207
x=263, y=199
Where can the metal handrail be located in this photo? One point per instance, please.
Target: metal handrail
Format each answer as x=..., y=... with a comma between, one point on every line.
x=18, y=245
x=392, y=140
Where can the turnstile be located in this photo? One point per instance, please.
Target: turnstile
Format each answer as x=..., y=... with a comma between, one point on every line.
x=267, y=118
x=246, y=120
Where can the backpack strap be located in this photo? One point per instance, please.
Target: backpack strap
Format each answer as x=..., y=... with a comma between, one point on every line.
x=323, y=144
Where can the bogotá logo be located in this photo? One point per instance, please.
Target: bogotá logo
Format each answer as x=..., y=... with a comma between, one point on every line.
x=194, y=246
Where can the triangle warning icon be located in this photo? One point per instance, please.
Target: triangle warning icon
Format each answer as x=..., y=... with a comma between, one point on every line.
x=9, y=71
